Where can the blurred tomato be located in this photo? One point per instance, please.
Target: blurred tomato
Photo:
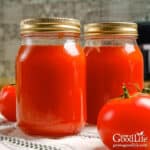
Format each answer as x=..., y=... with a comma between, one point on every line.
x=8, y=102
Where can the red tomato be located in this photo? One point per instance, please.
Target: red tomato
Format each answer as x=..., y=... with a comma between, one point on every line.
x=124, y=123
x=8, y=102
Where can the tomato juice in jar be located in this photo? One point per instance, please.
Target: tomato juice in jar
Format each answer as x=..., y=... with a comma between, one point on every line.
x=113, y=58
x=50, y=77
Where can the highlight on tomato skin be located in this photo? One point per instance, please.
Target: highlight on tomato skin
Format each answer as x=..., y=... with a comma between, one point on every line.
x=8, y=102
x=123, y=123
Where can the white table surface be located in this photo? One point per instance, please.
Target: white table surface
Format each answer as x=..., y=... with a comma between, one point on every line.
x=12, y=138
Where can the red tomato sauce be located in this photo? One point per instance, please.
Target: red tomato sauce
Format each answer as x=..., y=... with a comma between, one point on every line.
x=108, y=68
x=51, y=89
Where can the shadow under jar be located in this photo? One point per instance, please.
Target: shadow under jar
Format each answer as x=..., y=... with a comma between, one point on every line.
x=113, y=59
x=50, y=75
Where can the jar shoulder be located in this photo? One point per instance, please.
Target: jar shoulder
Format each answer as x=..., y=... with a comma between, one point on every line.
x=66, y=51
x=127, y=49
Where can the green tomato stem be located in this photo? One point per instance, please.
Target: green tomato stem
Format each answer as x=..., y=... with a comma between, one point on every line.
x=125, y=92
x=146, y=90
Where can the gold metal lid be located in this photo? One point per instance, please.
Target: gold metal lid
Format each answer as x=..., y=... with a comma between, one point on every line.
x=50, y=25
x=111, y=28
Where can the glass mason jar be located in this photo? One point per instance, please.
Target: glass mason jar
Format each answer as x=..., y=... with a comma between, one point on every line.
x=113, y=58
x=50, y=77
